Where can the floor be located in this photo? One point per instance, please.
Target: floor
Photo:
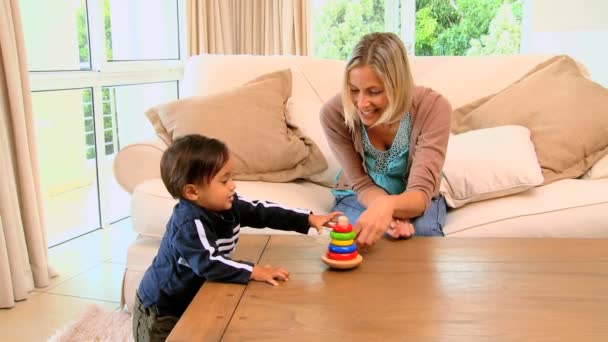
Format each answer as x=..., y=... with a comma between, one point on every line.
x=90, y=271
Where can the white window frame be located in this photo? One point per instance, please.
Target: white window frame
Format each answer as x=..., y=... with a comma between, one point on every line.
x=108, y=74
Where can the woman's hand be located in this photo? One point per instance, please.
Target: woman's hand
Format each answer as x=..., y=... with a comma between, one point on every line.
x=400, y=229
x=268, y=274
x=374, y=221
x=320, y=221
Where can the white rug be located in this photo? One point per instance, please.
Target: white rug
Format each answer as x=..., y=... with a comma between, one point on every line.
x=97, y=324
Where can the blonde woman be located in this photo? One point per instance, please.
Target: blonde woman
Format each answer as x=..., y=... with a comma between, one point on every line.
x=390, y=138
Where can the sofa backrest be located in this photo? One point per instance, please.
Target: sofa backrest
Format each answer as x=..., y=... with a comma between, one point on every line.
x=315, y=80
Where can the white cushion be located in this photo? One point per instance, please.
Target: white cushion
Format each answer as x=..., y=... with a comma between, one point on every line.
x=489, y=163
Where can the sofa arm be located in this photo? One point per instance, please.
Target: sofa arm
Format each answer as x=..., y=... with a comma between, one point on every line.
x=138, y=162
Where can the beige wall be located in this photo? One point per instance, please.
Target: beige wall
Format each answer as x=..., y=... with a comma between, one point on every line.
x=569, y=15
x=578, y=28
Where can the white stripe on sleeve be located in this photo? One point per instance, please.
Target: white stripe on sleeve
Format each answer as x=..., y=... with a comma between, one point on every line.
x=225, y=248
x=203, y=237
x=227, y=241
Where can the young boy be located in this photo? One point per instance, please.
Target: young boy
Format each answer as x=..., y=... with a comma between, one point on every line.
x=203, y=232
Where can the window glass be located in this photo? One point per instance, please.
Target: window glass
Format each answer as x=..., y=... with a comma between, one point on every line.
x=468, y=27
x=141, y=30
x=68, y=20
x=339, y=24
x=64, y=130
x=125, y=123
x=442, y=27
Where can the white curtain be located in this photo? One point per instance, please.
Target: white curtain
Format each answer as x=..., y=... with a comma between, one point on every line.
x=23, y=245
x=255, y=27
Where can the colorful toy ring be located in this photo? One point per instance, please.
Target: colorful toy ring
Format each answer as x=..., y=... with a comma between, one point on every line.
x=342, y=249
x=342, y=242
x=343, y=229
x=342, y=236
x=337, y=256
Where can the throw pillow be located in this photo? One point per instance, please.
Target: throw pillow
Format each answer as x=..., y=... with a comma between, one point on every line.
x=599, y=170
x=565, y=112
x=251, y=120
x=489, y=163
x=305, y=113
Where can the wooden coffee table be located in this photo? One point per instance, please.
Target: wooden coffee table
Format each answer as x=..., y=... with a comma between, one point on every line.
x=440, y=289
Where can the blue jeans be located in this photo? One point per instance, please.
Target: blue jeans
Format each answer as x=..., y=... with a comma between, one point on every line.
x=429, y=224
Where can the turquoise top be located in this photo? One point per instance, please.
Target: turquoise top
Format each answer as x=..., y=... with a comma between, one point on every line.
x=386, y=168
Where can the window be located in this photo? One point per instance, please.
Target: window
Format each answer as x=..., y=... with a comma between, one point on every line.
x=90, y=90
x=427, y=27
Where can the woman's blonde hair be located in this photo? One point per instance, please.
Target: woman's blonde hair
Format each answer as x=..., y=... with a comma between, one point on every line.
x=385, y=53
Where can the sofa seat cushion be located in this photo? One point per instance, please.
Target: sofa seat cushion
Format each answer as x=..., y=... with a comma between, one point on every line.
x=566, y=208
x=151, y=204
x=139, y=257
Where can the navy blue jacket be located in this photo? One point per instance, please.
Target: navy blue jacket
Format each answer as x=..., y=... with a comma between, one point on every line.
x=197, y=246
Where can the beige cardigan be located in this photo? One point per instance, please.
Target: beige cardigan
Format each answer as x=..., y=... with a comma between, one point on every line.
x=431, y=115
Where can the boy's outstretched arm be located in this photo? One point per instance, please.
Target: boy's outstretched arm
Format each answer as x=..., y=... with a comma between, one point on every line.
x=261, y=214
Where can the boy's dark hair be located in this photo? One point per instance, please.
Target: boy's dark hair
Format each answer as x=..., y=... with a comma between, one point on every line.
x=190, y=160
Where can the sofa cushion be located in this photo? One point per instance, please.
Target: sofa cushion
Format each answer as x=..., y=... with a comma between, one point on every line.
x=460, y=80
x=598, y=170
x=489, y=163
x=565, y=112
x=251, y=120
x=566, y=208
x=305, y=113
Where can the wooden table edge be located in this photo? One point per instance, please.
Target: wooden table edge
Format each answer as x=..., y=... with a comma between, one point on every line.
x=218, y=301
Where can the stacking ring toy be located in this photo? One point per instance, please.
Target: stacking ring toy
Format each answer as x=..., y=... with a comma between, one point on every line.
x=342, y=242
x=342, y=249
x=342, y=236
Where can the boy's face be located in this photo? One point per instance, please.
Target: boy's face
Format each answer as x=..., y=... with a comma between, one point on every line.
x=218, y=194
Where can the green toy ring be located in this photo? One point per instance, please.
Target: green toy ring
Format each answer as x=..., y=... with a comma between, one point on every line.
x=342, y=236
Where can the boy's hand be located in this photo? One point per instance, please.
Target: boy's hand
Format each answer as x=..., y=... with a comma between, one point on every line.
x=320, y=221
x=268, y=274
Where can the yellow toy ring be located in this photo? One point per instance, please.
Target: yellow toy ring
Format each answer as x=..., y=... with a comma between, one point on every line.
x=342, y=242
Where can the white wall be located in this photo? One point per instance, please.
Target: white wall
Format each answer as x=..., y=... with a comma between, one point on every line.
x=578, y=28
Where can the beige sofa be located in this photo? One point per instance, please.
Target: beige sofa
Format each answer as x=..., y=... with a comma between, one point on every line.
x=566, y=208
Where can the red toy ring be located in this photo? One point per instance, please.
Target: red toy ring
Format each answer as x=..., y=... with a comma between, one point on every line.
x=342, y=229
x=346, y=256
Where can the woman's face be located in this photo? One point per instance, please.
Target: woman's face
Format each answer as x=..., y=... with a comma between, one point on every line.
x=367, y=93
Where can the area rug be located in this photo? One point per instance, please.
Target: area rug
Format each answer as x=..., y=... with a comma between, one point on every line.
x=97, y=324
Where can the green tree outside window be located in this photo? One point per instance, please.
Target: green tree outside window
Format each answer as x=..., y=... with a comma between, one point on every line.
x=443, y=27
